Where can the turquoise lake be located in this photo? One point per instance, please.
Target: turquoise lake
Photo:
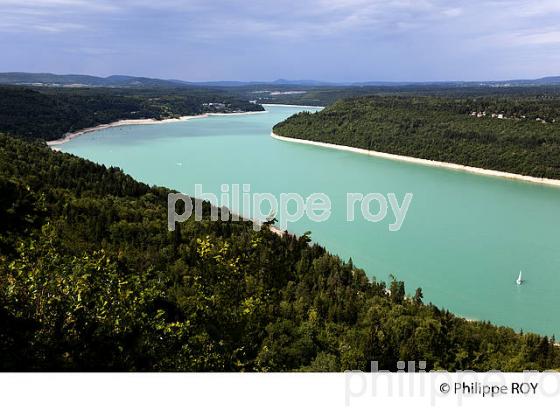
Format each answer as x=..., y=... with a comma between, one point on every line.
x=464, y=240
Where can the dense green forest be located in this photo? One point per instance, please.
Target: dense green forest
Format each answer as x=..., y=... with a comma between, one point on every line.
x=519, y=133
x=90, y=279
x=326, y=95
x=48, y=113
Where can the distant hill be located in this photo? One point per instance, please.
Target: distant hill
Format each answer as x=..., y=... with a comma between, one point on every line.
x=76, y=80
x=539, y=81
x=315, y=83
x=279, y=82
x=49, y=113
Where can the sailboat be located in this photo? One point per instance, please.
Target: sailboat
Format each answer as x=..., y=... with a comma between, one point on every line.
x=519, y=280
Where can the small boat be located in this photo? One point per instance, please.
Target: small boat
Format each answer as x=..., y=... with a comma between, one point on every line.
x=519, y=280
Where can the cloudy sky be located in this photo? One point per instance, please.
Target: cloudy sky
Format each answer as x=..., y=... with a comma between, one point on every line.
x=332, y=40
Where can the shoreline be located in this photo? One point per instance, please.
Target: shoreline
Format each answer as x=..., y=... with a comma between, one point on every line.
x=426, y=162
x=295, y=106
x=144, y=121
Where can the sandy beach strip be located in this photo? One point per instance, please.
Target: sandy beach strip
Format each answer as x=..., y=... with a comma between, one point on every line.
x=426, y=162
x=293, y=105
x=145, y=121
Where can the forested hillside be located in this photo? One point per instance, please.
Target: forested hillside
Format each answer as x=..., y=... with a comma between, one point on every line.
x=49, y=113
x=90, y=279
x=325, y=95
x=518, y=134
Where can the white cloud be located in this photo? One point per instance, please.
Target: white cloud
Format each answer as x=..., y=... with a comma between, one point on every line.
x=59, y=27
x=493, y=21
x=539, y=7
x=454, y=12
x=533, y=37
x=50, y=4
x=269, y=17
x=329, y=18
x=49, y=16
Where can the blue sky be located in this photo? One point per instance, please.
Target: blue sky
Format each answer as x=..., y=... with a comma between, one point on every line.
x=331, y=40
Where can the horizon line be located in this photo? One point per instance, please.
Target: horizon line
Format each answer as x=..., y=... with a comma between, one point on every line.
x=282, y=79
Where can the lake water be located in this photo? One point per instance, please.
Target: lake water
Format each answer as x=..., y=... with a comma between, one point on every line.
x=464, y=240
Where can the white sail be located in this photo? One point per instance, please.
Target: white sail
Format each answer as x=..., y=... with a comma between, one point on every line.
x=519, y=280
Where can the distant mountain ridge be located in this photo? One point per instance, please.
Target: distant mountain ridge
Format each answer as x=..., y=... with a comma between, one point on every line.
x=543, y=81
x=76, y=80
x=80, y=80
